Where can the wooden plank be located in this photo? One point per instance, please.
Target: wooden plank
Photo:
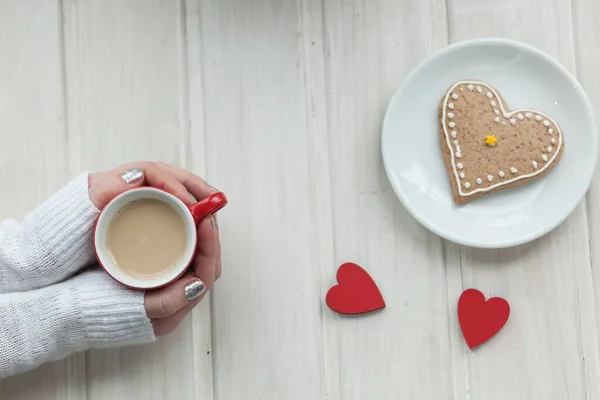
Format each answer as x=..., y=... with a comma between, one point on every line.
x=549, y=347
x=266, y=147
x=124, y=61
x=404, y=351
x=33, y=153
x=195, y=153
x=312, y=46
x=586, y=37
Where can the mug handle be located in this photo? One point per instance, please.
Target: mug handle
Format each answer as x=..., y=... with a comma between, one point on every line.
x=208, y=206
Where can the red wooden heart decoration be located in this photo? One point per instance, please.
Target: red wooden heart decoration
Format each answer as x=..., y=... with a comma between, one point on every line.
x=479, y=319
x=356, y=293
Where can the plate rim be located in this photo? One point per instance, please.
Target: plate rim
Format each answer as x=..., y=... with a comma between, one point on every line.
x=534, y=234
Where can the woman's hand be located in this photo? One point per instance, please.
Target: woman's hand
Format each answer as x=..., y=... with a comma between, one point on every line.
x=189, y=188
x=168, y=306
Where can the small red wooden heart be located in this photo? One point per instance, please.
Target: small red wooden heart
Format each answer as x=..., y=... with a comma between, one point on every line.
x=356, y=293
x=479, y=319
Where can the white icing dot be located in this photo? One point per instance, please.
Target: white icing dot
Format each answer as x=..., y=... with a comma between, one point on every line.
x=478, y=180
x=513, y=170
x=451, y=106
x=529, y=115
x=479, y=89
x=497, y=119
x=459, y=165
x=457, y=147
x=503, y=122
x=544, y=157
x=534, y=163
x=538, y=117
x=521, y=117
x=489, y=95
x=501, y=174
x=454, y=96
x=513, y=121
x=553, y=141
x=456, y=142
x=453, y=134
x=546, y=123
x=470, y=87
x=490, y=177
x=550, y=131
x=451, y=124
x=467, y=185
x=506, y=115
x=458, y=154
x=462, y=175
x=450, y=115
x=549, y=149
x=496, y=111
x=493, y=103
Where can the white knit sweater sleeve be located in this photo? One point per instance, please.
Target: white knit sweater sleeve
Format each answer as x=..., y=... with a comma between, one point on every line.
x=45, y=312
x=89, y=310
x=51, y=243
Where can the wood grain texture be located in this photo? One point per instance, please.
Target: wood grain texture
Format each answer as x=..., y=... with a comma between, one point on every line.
x=586, y=35
x=194, y=151
x=33, y=153
x=260, y=140
x=124, y=94
x=404, y=351
x=542, y=351
x=313, y=55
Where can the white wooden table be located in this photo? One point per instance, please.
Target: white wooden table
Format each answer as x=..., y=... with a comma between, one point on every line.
x=279, y=104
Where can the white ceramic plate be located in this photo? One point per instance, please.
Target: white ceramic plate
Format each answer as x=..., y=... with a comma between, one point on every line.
x=526, y=78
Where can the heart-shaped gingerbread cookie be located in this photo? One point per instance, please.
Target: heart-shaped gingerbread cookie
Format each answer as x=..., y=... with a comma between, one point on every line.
x=487, y=147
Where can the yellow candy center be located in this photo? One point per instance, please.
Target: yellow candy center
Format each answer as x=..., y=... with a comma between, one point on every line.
x=490, y=140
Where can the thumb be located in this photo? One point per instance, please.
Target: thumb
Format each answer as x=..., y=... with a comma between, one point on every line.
x=169, y=300
x=105, y=186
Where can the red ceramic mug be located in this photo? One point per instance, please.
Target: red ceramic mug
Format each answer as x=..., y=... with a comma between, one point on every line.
x=191, y=216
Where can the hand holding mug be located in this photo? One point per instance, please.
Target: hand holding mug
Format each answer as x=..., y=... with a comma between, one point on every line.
x=187, y=196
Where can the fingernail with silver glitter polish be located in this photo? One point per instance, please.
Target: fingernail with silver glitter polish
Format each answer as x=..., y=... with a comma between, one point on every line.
x=132, y=175
x=214, y=189
x=192, y=198
x=213, y=222
x=194, y=290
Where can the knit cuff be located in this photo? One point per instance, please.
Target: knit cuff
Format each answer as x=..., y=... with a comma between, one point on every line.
x=65, y=223
x=112, y=314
